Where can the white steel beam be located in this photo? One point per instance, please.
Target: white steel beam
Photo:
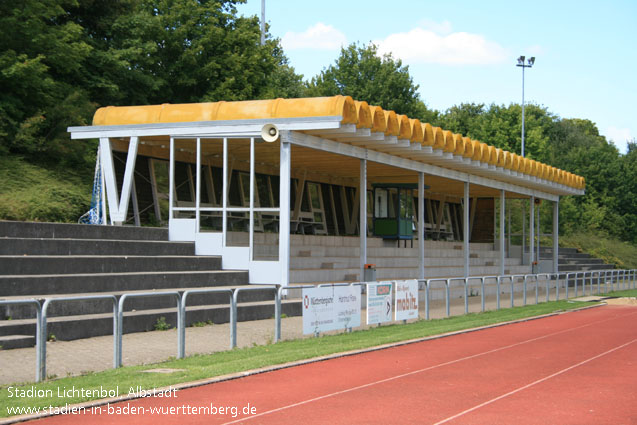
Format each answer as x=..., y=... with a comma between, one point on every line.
x=284, y=208
x=421, y=225
x=118, y=206
x=532, y=232
x=465, y=231
x=502, y=215
x=556, y=235
x=362, y=226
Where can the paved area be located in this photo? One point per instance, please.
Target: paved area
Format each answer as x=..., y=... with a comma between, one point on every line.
x=66, y=358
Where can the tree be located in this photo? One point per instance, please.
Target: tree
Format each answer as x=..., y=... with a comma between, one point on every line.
x=361, y=73
x=64, y=58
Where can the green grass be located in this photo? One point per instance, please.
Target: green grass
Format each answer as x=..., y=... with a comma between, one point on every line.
x=206, y=366
x=31, y=192
x=613, y=251
x=626, y=293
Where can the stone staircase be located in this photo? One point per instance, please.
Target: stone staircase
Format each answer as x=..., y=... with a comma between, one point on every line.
x=44, y=260
x=336, y=259
x=571, y=260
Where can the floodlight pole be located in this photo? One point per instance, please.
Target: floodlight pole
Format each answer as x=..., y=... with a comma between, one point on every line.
x=521, y=64
x=263, y=23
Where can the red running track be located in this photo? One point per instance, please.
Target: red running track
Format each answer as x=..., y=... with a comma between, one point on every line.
x=574, y=368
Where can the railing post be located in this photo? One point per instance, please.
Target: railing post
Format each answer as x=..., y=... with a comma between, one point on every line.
x=466, y=295
x=512, y=290
x=524, y=291
x=497, y=299
x=427, y=299
x=482, y=292
x=447, y=298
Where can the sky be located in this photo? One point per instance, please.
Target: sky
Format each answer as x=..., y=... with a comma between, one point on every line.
x=466, y=51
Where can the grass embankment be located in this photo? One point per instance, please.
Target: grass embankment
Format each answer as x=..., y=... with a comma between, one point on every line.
x=206, y=366
x=613, y=251
x=32, y=192
x=627, y=293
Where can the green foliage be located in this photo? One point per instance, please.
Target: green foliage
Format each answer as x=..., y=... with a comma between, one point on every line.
x=361, y=73
x=161, y=324
x=42, y=192
x=622, y=254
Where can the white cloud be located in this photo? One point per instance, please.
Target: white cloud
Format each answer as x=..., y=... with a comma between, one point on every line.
x=422, y=45
x=619, y=136
x=318, y=37
x=443, y=27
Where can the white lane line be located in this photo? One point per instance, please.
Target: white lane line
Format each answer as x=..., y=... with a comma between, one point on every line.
x=486, y=403
x=413, y=372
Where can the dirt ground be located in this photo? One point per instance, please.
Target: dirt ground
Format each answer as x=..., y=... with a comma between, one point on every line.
x=622, y=301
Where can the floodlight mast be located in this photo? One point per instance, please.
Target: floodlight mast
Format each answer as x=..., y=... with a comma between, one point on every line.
x=262, y=22
x=529, y=63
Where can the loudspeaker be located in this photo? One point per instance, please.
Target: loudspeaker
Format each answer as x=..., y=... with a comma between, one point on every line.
x=270, y=133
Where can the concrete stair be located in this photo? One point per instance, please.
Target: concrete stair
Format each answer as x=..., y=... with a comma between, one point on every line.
x=44, y=260
x=336, y=259
x=571, y=260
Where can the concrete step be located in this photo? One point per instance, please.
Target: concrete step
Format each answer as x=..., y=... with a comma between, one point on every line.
x=86, y=326
x=26, y=285
x=73, y=264
x=585, y=267
x=305, y=263
x=19, y=229
x=9, y=342
x=398, y=273
x=580, y=261
x=46, y=246
x=69, y=308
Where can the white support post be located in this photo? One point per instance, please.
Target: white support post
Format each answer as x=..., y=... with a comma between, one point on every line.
x=224, y=194
x=465, y=229
x=362, y=227
x=539, y=235
x=171, y=180
x=284, y=208
x=118, y=206
x=251, y=218
x=421, y=225
x=198, y=187
x=532, y=232
x=502, y=239
x=556, y=235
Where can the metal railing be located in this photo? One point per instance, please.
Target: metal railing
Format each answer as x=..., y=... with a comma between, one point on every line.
x=120, y=320
x=39, y=373
x=41, y=350
x=605, y=281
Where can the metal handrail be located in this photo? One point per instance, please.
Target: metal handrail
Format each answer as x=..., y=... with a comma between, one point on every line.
x=43, y=326
x=182, y=324
x=466, y=300
x=277, y=308
x=481, y=279
x=120, y=319
x=39, y=374
x=233, y=309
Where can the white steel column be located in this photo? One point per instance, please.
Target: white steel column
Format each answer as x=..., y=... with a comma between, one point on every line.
x=118, y=206
x=421, y=225
x=363, y=217
x=171, y=180
x=198, y=187
x=284, y=208
x=502, y=216
x=532, y=232
x=556, y=234
x=465, y=229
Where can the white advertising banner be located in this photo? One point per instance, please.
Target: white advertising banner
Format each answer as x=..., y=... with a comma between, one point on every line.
x=379, y=302
x=406, y=299
x=330, y=308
